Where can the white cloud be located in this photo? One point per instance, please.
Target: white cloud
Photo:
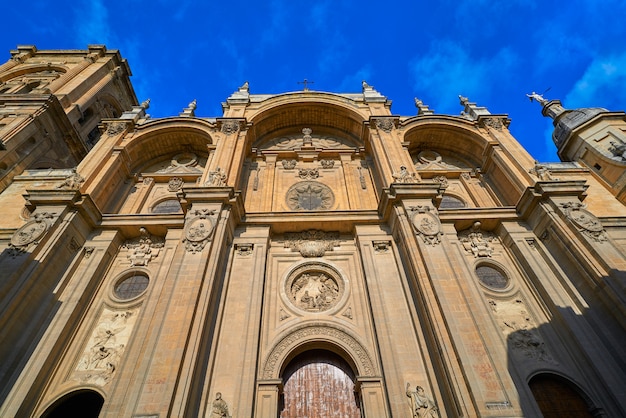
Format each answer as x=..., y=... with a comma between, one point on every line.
x=448, y=70
x=352, y=82
x=92, y=26
x=604, y=82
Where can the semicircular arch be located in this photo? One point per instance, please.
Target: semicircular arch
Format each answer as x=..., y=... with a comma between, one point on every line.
x=29, y=69
x=321, y=336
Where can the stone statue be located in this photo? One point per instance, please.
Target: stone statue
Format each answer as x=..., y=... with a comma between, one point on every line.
x=537, y=97
x=73, y=181
x=220, y=408
x=403, y=176
x=421, y=405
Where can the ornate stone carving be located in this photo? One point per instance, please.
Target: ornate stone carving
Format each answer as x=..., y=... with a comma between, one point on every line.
x=519, y=328
x=584, y=220
x=314, y=291
x=148, y=181
x=198, y=229
x=294, y=142
x=327, y=163
x=230, y=127
x=143, y=248
x=72, y=182
x=216, y=178
x=74, y=245
x=403, y=176
x=314, y=332
x=310, y=195
x=244, y=250
x=114, y=128
x=542, y=172
x=311, y=243
x=103, y=351
x=219, y=407
x=477, y=241
x=175, y=184
x=255, y=182
x=307, y=139
x=308, y=173
x=381, y=247
x=185, y=162
x=30, y=233
x=531, y=243
x=89, y=251
x=289, y=164
x=347, y=313
x=283, y=314
x=441, y=179
x=495, y=123
x=422, y=406
x=618, y=149
x=384, y=124
x=362, y=178
x=426, y=223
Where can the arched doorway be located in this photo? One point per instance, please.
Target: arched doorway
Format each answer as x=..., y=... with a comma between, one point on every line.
x=557, y=397
x=80, y=404
x=319, y=384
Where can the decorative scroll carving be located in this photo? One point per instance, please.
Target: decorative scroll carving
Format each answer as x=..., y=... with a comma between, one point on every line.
x=427, y=224
x=186, y=162
x=30, y=233
x=103, y=351
x=289, y=164
x=542, y=172
x=144, y=248
x=384, y=124
x=327, y=163
x=198, y=229
x=311, y=243
x=244, y=250
x=294, y=142
x=518, y=326
x=175, y=184
x=308, y=173
x=310, y=195
x=422, y=406
x=216, y=178
x=230, y=127
x=219, y=407
x=114, y=128
x=403, y=176
x=432, y=160
x=477, y=241
x=584, y=220
x=72, y=182
x=272, y=366
x=381, y=247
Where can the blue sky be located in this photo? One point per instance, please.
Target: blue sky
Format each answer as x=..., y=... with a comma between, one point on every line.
x=493, y=52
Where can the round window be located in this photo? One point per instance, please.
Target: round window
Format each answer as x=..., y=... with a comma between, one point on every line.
x=131, y=286
x=492, y=277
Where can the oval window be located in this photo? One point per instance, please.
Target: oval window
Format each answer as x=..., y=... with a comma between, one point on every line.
x=492, y=277
x=131, y=286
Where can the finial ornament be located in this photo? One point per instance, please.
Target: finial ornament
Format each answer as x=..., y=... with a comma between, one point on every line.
x=245, y=86
x=537, y=97
x=145, y=104
x=464, y=100
x=422, y=109
x=366, y=86
x=193, y=104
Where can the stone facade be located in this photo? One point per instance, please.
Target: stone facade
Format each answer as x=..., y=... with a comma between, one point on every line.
x=180, y=266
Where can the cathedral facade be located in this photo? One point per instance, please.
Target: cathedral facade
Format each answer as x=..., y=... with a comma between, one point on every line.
x=306, y=254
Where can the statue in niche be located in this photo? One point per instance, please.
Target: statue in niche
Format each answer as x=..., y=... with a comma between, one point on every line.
x=403, y=176
x=219, y=407
x=421, y=405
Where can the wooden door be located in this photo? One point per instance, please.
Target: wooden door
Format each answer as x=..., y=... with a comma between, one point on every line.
x=319, y=384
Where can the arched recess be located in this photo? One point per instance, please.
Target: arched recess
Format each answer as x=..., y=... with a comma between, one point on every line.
x=84, y=403
x=31, y=69
x=318, y=382
x=557, y=397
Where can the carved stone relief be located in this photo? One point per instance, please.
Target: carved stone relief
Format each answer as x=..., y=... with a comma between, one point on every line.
x=441, y=179
x=542, y=172
x=144, y=248
x=186, y=162
x=219, y=407
x=362, y=178
x=477, y=241
x=422, y=406
x=584, y=220
x=381, y=247
x=352, y=346
x=230, y=127
x=326, y=164
x=384, y=124
x=309, y=195
x=114, y=128
x=30, y=233
x=175, y=184
x=102, y=353
x=294, y=142
x=495, y=123
x=518, y=326
x=311, y=243
x=308, y=173
x=289, y=164
x=216, y=178
x=347, y=313
x=432, y=160
x=198, y=229
x=244, y=250
x=426, y=223
x=72, y=182
x=403, y=176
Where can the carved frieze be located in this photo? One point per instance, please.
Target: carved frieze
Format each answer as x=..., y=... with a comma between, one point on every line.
x=198, y=229
x=441, y=179
x=495, y=123
x=30, y=233
x=308, y=173
x=309, y=195
x=144, y=248
x=102, y=353
x=186, y=162
x=311, y=243
x=585, y=221
x=175, y=184
x=477, y=241
x=426, y=223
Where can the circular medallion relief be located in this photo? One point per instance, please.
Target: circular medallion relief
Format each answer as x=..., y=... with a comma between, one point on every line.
x=314, y=287
x=198, y=229
x=310, y=195
x=30, y=232
x=426, y=223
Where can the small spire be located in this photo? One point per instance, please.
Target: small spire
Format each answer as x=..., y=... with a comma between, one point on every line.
x=245, y=86
x=366, y=86
x=189, y=111
x=145, y=104
x=471, y=110
x=422, y=109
